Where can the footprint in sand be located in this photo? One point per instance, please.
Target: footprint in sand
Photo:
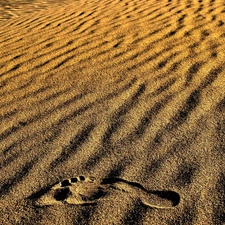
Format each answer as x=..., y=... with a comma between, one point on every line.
x=86, y=190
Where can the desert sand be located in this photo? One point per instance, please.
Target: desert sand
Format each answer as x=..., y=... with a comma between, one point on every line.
x=112, y=112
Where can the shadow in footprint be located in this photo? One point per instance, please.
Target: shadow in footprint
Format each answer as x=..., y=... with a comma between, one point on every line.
x=155, y=199
x=114, y=180
x=62, y=194
x=169, y=195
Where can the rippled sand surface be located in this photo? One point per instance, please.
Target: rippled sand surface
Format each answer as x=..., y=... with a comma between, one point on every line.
x=112, y=112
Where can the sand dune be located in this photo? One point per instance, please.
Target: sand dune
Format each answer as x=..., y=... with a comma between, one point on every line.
x=112, y=112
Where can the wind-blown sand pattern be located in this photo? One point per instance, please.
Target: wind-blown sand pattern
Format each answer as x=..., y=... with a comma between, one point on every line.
x=112, y=112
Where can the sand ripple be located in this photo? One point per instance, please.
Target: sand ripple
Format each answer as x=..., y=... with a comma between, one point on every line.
x=131, y=92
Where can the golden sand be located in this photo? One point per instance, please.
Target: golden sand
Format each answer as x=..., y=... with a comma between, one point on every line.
x=112, y=112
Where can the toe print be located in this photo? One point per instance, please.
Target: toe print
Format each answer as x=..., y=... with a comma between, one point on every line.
x=65, y=183
x=74, y=180
x=82, y=178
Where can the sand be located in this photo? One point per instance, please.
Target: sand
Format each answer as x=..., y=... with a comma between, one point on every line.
x=112, y=112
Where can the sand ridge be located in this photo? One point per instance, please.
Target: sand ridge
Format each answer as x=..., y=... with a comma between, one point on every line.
x=128, y=92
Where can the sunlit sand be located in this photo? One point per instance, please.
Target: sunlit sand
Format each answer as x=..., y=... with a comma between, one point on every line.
x=112, y=112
